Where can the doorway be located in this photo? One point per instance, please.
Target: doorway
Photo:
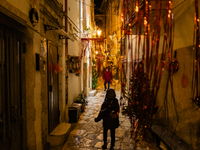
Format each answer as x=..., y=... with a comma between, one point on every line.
x=53, y=87
x=12, y=93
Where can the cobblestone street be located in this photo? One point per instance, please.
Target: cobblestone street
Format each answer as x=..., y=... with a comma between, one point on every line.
x=88, y=135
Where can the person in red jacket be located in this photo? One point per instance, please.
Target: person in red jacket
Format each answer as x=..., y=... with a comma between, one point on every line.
x=107, y=76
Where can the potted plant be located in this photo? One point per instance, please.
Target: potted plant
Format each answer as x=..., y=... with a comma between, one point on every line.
x=94, y=78
x=82, y=100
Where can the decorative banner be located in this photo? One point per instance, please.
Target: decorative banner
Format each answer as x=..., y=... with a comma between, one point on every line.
x=85, y=43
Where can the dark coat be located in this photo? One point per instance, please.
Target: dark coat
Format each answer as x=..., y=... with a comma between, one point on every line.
x=109, y=111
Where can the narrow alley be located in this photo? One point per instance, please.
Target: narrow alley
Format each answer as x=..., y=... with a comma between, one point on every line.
x=88, y=135
x=58, y=58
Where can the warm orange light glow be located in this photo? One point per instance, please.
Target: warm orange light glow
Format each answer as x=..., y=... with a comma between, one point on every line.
x=98, y=32
x=150, y=7
x=145, y=22
x=136, y=9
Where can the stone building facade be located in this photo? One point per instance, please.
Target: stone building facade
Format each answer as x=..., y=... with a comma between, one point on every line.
x=35, y=40
x=187, y=124
x=110, y=22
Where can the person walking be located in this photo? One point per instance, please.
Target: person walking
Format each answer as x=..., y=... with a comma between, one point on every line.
x=107, y=76
x=109, y=113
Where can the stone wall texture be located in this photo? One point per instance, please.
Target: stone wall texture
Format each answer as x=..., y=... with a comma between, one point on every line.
x=188, y=113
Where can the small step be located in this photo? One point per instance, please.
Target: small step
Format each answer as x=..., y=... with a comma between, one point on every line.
x=175, y=144
x=60, y=134
x=93, y=93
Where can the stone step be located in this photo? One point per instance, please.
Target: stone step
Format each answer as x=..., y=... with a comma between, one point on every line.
x=60, y=134
x=165, y=136
x=93, y=93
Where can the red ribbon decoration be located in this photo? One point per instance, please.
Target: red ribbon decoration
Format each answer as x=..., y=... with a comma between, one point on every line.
x=144, y=83
x=54, y=67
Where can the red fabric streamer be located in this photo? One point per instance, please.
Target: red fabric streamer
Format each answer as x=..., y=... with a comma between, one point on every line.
x=55, y=67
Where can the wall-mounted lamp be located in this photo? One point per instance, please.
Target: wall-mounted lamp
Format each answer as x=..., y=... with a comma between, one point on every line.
x=98, y=32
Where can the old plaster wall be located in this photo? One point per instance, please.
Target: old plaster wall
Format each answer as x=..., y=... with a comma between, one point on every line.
x=188, y=121
x=36, y=81
x=53, y=37
x=35, y=92
x=33, y=80
x=86, y=59
x=74, y=86
x=30, y=84
x=188, y=115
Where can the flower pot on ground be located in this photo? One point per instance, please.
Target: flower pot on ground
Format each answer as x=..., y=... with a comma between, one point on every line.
x=82, y=100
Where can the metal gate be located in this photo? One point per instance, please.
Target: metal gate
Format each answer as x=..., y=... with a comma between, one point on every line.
x=53, y=87
x=12, y=100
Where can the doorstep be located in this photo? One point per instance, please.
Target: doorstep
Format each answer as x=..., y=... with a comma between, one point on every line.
x=93, y=93
x=59, y=135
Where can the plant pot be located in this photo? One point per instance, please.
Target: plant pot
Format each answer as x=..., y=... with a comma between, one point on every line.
x=82, y=108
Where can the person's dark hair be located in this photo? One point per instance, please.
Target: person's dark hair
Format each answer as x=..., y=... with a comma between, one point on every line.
x=110, y=94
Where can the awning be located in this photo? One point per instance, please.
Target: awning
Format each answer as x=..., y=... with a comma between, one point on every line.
x=63, y=34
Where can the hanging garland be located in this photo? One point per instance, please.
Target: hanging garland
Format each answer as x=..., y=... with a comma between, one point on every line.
x=144, y=83
x=195, y=79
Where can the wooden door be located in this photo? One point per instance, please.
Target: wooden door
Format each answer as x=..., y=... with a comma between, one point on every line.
x=53, y=87
x=12, y=102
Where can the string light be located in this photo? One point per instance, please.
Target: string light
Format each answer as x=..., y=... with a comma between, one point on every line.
x=136, y=9
x=150, y=7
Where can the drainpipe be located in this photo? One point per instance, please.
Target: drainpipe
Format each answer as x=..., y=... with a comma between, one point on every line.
x=81, y=27
x=66, y=55
x=66, y=29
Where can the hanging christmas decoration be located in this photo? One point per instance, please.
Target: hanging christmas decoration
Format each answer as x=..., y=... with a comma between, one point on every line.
x=146, y=66
x=195, y=78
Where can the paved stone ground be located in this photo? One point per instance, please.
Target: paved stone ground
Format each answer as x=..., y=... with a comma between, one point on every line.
x=88, y=135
